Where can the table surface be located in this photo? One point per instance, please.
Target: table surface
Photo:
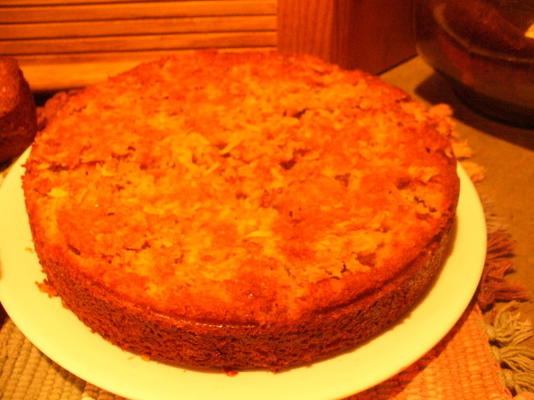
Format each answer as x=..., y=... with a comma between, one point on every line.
x=506, y=152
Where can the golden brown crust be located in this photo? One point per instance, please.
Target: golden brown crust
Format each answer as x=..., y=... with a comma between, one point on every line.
x=260, y=211
x=18, y=123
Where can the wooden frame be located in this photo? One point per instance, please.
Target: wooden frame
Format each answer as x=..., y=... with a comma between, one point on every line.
x=373, y=35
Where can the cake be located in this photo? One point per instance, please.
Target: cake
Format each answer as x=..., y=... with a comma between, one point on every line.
x=237, y=211
x=18, y=120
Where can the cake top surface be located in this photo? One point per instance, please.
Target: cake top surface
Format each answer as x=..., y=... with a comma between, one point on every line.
x=240, y=187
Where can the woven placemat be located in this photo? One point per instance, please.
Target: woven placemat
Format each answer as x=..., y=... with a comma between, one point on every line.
x=461, y=366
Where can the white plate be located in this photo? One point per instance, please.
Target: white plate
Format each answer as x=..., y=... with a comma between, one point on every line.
x=59, y=334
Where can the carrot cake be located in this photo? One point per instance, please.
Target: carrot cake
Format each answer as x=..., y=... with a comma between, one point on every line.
x=240, y=210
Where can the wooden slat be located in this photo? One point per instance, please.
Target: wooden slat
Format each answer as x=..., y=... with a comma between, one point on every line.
x=168, y=9
x=136, y=27
x=125, y=43
x=59, y=2
x=64, y=71
x=11, y=3
x=114, y=56
x=30, y=3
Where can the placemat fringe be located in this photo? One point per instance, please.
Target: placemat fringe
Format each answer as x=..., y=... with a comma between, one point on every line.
x=508, y=328
x=507, y=336
x=496, y=286
x=515, y=357
x=520, y=382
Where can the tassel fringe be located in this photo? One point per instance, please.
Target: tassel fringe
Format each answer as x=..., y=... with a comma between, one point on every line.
x=518, y=381
x=495, y=286
x=506, y=328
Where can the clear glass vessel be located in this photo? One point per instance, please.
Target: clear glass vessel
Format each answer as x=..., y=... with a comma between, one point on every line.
x=486, y=49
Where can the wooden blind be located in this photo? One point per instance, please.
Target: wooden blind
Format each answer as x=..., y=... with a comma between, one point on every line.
x=79, y=41
x=70, y=43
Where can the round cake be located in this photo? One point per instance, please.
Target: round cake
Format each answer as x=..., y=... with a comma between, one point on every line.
x=241, y=210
